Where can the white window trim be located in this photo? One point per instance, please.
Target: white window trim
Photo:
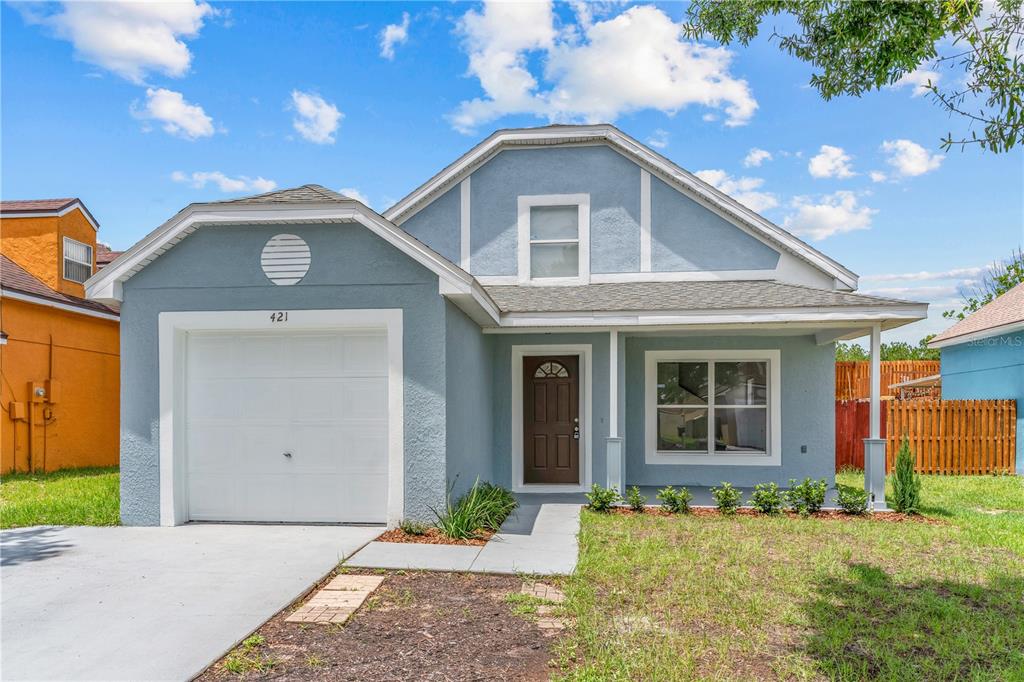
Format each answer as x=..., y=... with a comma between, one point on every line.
x=64, y=253
x=173, y=329
x=525, y=203
x=771, y=458
x=585, y=354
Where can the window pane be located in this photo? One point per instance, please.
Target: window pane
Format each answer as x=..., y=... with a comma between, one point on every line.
x=682, y=383
x=683, y=428
x=76, y=272
x=77, y=251
x=554, y=260
x=741, y=429
x=554, y=222
x=741, y=383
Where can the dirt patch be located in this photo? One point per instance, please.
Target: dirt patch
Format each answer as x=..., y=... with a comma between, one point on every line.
x=416, y=626
x=432, y=536
x=825, y=514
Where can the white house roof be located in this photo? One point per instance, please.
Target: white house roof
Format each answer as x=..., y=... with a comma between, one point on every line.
x=647, y=158
x=1002, y=315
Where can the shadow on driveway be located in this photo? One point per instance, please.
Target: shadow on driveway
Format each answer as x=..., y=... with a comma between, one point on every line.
x=26, y=545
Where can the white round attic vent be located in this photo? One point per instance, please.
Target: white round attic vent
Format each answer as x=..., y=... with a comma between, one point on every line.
x=285, y=259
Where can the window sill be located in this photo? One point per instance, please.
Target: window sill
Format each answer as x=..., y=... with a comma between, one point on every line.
x=716, y=459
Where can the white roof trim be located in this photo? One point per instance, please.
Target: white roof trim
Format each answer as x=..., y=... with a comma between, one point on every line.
x=106, y=284
x=53, y=214
x=41, y=300
x=978, y=335
x=649, y=159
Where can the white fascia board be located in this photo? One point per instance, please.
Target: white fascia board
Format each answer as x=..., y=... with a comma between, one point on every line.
x=105, y=285
x=978, y=335
x=39, y=300
x=666, y=169
x=54, y=214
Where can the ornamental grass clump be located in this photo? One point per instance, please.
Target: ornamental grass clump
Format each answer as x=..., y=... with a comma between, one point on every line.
x=906, y=485
x=727, y=498
x=635, y=500
x=483, y=507
x=602, y=499
x=767, y=498
x=675, y=501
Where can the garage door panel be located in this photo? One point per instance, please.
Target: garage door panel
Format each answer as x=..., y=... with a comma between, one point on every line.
x=364, y=398
x=365, y=355
x=209, y=494
x=260, y=355
x=214, y=447
x=211, y=356
x=367, y=450
x=315, y=400
x=315, y=356
x=262, y=398
x=213, y=399
x=364, y=504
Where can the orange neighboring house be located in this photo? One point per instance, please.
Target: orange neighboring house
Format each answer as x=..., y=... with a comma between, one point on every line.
x=59, y=353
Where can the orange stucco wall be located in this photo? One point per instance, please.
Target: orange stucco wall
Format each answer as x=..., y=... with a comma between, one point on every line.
x=81, y=426
x=37, y=244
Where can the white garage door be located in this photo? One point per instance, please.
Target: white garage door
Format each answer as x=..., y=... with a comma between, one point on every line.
x=287, y=426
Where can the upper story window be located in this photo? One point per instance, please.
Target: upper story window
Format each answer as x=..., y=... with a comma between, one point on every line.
x=554, y=238
x=77, y=260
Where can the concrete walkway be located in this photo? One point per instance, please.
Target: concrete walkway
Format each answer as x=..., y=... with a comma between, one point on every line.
x=150, y=603
x=549, y=548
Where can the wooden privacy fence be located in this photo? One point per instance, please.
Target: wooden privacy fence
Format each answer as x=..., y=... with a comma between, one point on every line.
x=946, y=436
x=853, y=379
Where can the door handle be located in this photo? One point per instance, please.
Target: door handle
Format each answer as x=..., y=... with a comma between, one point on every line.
x=287, y=454
x=576, y=432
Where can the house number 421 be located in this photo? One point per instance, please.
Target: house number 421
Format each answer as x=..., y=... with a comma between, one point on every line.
x=279, y=317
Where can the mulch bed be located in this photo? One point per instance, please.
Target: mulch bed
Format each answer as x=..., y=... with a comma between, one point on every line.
x=416, y=626
x=433, y=537
x=825, y=514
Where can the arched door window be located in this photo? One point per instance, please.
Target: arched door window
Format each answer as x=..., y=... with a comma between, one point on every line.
x=551, y=370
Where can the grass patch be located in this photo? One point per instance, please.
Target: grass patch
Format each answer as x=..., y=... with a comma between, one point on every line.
x=777, y=597
x=73, y=497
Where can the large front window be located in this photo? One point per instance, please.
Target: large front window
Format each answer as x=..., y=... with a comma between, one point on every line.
x=710, y=406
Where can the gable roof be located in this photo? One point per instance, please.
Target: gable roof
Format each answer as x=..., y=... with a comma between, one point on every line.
x=1002, y=315
x=646, y=158
x=19, y=283
x=40, y=208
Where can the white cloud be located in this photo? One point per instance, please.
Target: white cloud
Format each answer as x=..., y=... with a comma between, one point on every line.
x=743, y=190
x=909, y=158
x=658, y=139
x=833, y=214
x=929, y=293
x=918, y=79
x=130, y=38
x=353, y=193
x=925, y=275
x=178, y=116
x=316, y=119
x=241, y=183
x=394, y=34
x=755, y=157
x=830, y=162
x=590, y=68
x=878, y=176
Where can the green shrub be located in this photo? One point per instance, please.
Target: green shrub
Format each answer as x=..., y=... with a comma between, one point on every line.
x=727, y=498
x=767, y=498
x=636, y=501
x=602, y=499
x=806, y=497
x=906, y=485
x=852, y=500
x=675, y=501
x=411, y=527
x=484, y=506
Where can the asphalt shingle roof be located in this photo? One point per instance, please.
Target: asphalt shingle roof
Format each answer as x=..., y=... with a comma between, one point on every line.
x=650, y=296
x=13, y=277
x=999, y=312
x=294, y=195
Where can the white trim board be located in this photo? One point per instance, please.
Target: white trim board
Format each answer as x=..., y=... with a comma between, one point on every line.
x=172, y=331
x=585, y=353
x=774, y=455
x=978, y=335
x=39, y=300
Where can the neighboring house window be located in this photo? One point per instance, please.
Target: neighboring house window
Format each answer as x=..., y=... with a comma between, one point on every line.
x=554, y=238
x=77, y=260
x=712, y=405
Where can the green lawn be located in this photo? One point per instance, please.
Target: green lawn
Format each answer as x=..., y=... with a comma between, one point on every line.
x=74, y=497
x=744, y=598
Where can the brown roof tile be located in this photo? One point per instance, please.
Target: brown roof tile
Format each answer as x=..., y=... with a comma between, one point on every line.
x=999, y=312
x=13, y=277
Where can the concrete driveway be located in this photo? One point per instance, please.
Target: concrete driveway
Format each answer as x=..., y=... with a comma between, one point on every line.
x=150, y=603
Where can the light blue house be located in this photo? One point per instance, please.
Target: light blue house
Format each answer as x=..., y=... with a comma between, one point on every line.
x=983, y=357
x=560, y=306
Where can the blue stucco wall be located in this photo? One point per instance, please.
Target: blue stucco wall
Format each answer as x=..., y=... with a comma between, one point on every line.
x=502, y=368
x=685, y=236
x=439, y=224
x=218, y=269
x=469, y=401
x=808, y=413
x=612, y=181
x=988, y=369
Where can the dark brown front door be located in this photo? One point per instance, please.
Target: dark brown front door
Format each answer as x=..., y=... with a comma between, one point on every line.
x=551, y=419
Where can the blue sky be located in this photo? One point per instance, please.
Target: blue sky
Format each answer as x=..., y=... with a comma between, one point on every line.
x=140, y=110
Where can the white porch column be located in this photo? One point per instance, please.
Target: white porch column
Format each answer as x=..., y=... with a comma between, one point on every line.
x=874, y=444
x=613, y=450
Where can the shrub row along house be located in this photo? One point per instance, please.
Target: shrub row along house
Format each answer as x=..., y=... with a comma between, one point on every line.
x=559, y=306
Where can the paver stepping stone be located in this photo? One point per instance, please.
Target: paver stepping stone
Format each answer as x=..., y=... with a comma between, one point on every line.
x=336, y=601
x=544, y=591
